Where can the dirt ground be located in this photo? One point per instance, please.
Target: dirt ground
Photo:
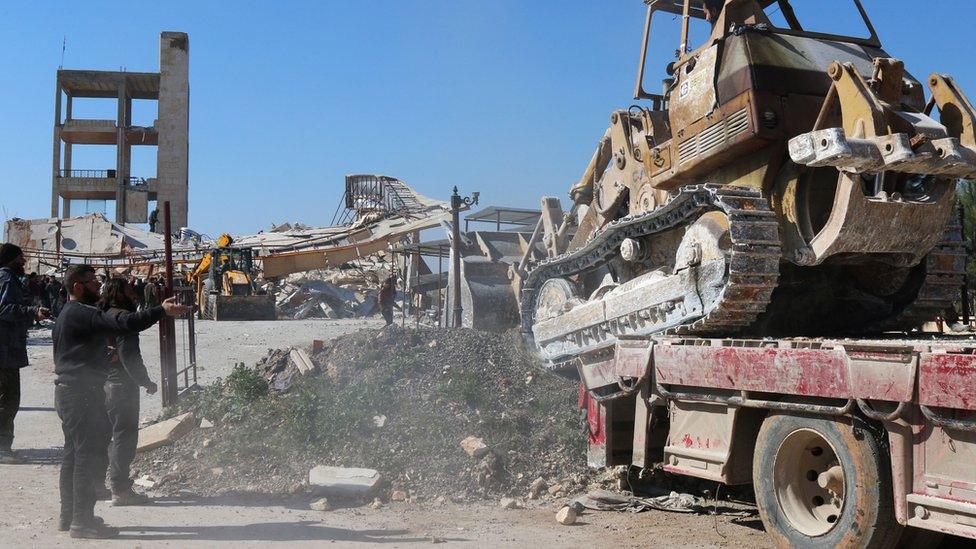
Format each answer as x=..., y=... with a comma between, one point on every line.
x=29, y=497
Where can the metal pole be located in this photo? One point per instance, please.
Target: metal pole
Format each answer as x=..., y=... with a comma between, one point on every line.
x=965, y=279
x=456, y=258
x=167, y=327
x=440, y=291
x=403, y=301
x=191, y=329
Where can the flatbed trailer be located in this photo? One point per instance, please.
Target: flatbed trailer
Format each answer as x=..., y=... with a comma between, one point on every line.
x=853, y=443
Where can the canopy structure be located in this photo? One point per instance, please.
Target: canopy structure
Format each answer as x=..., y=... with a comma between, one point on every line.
x=516, y=218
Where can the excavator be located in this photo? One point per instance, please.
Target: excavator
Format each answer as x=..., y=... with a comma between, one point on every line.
x=225, y=287
x=785, y=182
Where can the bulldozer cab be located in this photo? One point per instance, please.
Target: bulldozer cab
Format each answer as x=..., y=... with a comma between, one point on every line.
x=698, y=27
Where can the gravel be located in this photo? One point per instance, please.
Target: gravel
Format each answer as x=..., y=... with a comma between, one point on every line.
x=396, y=400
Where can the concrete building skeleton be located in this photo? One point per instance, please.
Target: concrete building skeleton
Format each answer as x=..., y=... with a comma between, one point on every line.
x=169, y=133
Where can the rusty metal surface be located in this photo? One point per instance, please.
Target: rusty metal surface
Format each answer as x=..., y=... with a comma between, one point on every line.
x=947, y=380
x=818, y=373
x=879, y=375
x=700, y=440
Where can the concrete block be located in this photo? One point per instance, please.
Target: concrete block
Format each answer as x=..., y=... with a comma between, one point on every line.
x=301, y=360
x=165, y=432
x=343, y=481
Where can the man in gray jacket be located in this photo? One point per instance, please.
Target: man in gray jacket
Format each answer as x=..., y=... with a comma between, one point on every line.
x=16, y=317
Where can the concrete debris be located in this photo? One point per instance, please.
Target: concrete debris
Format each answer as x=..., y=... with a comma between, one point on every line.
x=343, y=481
x=537, y=488
x=399, y=495
x=377, y=503
x=395, y=373
x=344, y=293
x=474, y=447
x=165, y=432
x=509, y=503
x=556, y=489
x=145, y=482
x=207, y=442
x=206, y=424
x=301, y=361
x=91, y=236
x=321, y=504
x=566, y=516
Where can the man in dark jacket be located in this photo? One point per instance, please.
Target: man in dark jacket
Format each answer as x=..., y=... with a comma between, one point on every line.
x=53, y=291
x=17, y=314
x=126, y=374
x=81, y=356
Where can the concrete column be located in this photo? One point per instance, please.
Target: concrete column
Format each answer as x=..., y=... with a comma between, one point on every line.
x=66, y=210
x=56, y=163
x=121, y=179
x=173, y=125
x=67, y=146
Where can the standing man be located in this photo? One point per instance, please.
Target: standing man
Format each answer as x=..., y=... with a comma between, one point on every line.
x=53, y=291
x=388, y=298
x=151, y=294
x=81, y=335
x=126, y=373
x=16, y=317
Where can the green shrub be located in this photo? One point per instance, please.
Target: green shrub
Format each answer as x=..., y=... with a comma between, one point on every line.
x=246, y=384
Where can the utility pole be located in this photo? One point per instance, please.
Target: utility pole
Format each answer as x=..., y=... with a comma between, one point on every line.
x=167, y=327
x=457, y=205
x=965, y=278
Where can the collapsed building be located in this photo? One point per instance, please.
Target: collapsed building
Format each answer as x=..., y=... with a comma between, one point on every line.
x=51, y=243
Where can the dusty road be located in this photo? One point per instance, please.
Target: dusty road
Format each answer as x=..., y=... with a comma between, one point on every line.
x=29, y=498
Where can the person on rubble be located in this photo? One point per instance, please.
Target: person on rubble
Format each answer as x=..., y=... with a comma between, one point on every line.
x=151, y=293
x=126, y=374
x=388, y=298
x=81, y=366
x=17, y=314
x=712, y=8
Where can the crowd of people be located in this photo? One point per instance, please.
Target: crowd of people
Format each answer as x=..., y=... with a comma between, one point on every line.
x=99, y=371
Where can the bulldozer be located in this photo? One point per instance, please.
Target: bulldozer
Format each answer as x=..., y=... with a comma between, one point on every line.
x=784, y=182
x=224, y=285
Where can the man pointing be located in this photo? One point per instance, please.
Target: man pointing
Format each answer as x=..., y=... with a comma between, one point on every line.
x=81, y=356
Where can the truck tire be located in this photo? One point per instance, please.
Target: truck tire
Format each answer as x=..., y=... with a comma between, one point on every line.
x=823, y=483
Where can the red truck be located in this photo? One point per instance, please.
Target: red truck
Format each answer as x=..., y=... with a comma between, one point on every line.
x=847, y=443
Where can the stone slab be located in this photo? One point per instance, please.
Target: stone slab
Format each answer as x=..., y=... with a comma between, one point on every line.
x=165, y=432
x=343, y=481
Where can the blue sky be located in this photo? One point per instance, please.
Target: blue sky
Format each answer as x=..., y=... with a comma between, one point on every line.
x=505, y=97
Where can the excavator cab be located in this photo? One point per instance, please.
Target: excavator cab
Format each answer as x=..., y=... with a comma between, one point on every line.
x=225, y=287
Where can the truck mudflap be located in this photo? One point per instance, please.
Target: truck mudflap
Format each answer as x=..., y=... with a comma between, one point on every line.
x=923, y=393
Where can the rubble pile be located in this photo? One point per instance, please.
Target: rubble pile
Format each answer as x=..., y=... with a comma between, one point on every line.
x=438, y=415
x=333, y=293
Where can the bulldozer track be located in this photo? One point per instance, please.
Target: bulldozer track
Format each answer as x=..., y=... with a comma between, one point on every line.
x=752, y=265
x=945, y=267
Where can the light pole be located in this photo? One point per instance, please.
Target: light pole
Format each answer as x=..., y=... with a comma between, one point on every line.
x=457, y=202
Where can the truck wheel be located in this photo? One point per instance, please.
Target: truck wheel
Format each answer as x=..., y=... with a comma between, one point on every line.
x=823, y=483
